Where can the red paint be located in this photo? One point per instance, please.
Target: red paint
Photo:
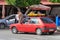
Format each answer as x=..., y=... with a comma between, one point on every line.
x=32, y=27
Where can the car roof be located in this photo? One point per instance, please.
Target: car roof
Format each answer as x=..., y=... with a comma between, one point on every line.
x=10, y=16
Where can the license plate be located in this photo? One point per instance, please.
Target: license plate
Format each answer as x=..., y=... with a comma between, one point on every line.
x=51, y=29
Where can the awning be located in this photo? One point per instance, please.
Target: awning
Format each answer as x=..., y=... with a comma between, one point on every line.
x=3, y=3
x=49, y=3
x=39, y=7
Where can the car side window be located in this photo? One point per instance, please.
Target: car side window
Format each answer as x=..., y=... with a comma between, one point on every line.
x=25, y=20
x=34, y=21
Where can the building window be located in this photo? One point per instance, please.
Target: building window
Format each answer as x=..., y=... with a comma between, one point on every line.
x=0, y=11
x=9, y=10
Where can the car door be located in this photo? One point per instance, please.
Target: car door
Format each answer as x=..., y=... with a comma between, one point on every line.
x=24, y=25
x=31, y=25
x=10, y=20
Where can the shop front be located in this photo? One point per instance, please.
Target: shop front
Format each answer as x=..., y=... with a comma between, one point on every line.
x=6, y=10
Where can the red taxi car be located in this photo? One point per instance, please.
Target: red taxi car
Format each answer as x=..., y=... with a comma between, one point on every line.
x=38, y=25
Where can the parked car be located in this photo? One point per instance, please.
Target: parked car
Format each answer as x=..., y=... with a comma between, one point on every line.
x=38, y=25
x=7, y=21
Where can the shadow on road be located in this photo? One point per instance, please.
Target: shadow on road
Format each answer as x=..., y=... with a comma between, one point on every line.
x=4, y=29
x=55, y=34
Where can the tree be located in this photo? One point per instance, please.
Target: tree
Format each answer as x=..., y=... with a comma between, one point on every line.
x=22, y=3
x=55, y=1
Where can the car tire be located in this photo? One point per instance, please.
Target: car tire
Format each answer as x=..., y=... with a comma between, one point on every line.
x=2, y=26
x=38, y=31
x=50, y=33
x=14, y=30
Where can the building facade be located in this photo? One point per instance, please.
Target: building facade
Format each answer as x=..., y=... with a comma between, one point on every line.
x=6, y=10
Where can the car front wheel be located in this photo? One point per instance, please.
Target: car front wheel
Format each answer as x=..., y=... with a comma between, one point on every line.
x=14, y=30
x=38, y=31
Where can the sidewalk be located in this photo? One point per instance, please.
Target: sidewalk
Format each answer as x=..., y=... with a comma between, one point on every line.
x=58, y=29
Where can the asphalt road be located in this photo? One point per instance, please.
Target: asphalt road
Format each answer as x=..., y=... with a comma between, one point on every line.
x=7, y=35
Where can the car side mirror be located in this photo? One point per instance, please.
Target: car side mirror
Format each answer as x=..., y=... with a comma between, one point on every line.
x=6, y=20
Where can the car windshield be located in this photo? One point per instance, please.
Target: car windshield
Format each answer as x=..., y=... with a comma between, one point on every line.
x=46, y=20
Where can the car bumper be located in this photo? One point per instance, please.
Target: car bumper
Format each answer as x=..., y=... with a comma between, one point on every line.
x=49, y=30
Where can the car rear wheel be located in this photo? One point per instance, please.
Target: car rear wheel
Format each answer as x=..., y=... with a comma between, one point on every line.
x=2, y=26
x=50, y=33
x=14, y=30
x=38, y=31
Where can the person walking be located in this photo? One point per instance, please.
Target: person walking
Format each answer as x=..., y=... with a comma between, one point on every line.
x=19, y=17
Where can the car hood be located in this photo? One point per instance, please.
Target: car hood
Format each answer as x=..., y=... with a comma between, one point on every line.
x=1, y=20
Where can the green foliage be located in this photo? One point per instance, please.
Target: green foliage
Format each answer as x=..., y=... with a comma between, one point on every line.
x=11, y=2
x=55, y=1
x=22, y=3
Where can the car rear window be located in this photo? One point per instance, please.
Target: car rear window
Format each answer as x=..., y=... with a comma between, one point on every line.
x=46, y=20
